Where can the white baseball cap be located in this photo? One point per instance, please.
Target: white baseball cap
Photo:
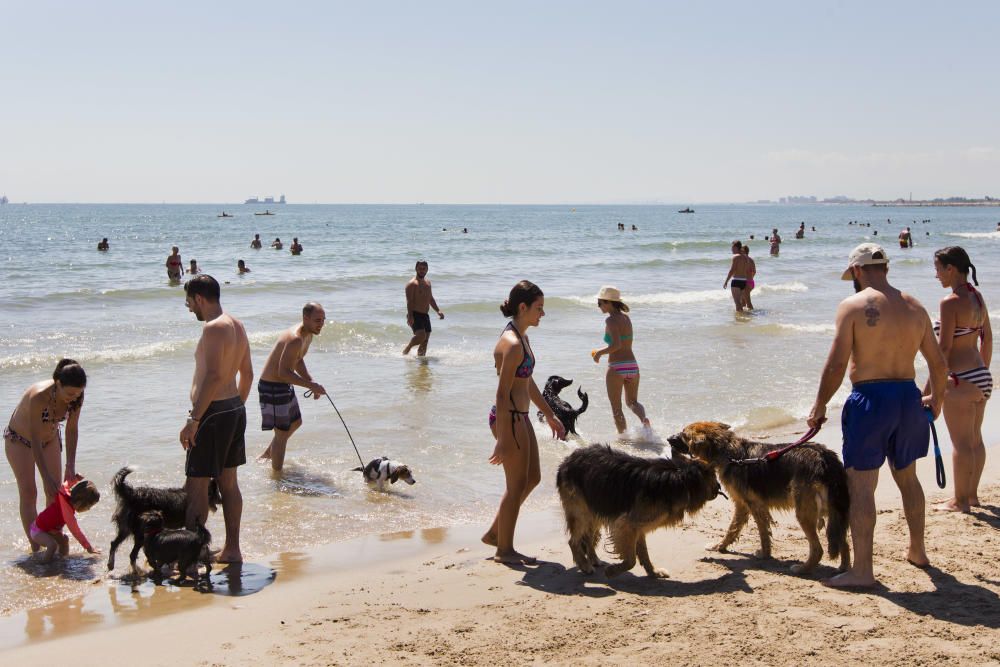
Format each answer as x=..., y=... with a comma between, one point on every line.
x=866, y=254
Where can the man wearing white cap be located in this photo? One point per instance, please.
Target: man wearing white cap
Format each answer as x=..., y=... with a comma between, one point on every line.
x=879, y=332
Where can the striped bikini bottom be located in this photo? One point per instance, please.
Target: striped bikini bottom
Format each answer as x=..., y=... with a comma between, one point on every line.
x=980, y=377
x=626, y=369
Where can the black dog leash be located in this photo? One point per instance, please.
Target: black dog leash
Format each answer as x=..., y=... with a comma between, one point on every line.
x=778, y=453
x=308, y=393
x=938, y=461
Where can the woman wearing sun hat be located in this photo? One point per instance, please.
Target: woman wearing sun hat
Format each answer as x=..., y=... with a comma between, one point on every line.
x=623, y=371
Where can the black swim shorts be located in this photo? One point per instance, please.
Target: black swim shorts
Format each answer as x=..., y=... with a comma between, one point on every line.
x=219, y=442
x=739, y=283
x=279, y=407
x=421, y=322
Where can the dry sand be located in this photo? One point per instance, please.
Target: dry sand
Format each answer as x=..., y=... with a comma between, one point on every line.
x=443, y=603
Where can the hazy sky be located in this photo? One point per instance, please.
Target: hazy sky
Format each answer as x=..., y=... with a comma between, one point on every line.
x=463, y=102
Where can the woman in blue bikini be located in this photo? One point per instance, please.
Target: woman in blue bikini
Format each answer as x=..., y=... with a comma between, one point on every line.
x=623, y=371
x=516, y=448
x=32, y=437
x=966, y=340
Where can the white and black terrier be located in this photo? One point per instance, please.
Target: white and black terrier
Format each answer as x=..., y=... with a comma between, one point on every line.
x=133, y=501
x=164, y=546
x=382, y=471
x=563, y=410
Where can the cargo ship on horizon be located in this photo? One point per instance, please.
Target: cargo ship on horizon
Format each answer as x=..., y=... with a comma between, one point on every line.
x=265, y=200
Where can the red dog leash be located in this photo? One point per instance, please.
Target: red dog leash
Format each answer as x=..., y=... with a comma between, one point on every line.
x=778, y=453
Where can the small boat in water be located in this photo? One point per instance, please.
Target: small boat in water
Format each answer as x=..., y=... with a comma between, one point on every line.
x=264, y=213
x=686, y=210
x=225, y=215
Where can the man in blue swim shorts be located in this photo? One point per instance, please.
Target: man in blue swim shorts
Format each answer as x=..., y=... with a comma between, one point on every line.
x=879, y=332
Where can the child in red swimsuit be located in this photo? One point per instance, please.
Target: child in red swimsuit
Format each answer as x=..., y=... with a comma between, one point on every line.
x=46, y=530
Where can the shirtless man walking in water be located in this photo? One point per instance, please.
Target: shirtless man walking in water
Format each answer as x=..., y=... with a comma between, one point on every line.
x=419, y=301
x=285, y=366
x=879, y=332
x=740, y=273
x=213, y=436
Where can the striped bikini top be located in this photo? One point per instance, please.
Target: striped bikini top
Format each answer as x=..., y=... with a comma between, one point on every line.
x=965, y=331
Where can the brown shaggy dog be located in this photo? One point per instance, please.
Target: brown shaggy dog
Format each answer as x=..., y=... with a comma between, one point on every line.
x=600, y=486
x=809, y=479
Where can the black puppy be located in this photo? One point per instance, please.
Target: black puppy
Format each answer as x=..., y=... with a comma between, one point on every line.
x=164, y=546
x=134, y=500
x=563, y=410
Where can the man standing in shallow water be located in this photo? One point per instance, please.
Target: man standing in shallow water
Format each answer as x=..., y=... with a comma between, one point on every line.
x=213, y=436
x=879, y=332
x=286, y=366
x=419, y=300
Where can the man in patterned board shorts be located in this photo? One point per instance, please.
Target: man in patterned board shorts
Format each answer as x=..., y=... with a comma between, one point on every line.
x=286, y=366
x=879, y=332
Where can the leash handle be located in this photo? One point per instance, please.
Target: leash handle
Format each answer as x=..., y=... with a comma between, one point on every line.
x=938, y=461
x=309, y=392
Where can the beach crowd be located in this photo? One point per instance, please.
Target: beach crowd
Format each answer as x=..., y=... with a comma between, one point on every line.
x=879, y=331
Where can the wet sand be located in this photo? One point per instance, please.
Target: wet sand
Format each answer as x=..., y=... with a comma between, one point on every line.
x=432, y=597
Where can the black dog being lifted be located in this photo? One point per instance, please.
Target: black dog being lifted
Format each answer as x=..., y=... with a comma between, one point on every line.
x=164, y=546
x=134, y=500
x=563, y=410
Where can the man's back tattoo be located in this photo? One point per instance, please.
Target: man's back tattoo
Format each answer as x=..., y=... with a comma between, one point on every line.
x=872, y=313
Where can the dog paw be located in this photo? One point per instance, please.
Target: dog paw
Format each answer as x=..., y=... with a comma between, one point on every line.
x=717, y=546
x=659, y=574
x=763, y=555
x=802, y=568
x=587, y=569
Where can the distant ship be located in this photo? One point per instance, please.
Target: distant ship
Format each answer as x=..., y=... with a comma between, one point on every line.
x=4, y=200
x=265, y=200
x=686, y=210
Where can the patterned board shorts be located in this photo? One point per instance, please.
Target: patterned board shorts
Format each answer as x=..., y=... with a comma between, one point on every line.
x=279, y=407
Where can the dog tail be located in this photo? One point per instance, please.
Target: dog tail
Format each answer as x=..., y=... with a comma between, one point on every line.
x=839, y=501
x=204, y=537
x=121, y=487
x=583, y=397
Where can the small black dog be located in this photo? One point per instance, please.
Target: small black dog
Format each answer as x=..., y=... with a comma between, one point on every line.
x=564, y=411
x=134, y=500
x=164, y=546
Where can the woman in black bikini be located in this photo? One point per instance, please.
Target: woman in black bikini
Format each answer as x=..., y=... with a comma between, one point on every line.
x=966, y=340
x=516, y=448
x=32, y=437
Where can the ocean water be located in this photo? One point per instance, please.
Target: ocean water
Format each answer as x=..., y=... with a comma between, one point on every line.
x=116, y=313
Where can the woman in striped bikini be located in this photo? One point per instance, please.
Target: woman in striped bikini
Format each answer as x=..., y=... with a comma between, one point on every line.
x=966, y=340
x=623, y=371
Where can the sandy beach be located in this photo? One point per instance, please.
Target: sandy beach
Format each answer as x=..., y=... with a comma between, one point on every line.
x=432, y=597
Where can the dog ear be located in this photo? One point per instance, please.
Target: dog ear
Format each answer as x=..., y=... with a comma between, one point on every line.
x=358, y=469
x=394, y=475
x=725, y=427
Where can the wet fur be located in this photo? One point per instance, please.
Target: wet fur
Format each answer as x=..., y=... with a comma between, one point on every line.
x=181, y=546
x=630, y=496
x=809, y=479
x=133, y=501
x=563, y=410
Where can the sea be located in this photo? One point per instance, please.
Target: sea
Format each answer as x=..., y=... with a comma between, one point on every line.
x=116, y=313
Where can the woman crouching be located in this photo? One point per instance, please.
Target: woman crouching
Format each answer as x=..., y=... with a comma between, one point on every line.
x=516, y=448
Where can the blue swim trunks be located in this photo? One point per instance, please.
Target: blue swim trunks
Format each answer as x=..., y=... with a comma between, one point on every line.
x=884, y=419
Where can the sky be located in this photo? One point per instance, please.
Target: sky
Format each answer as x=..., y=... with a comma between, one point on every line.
x=514, y=102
